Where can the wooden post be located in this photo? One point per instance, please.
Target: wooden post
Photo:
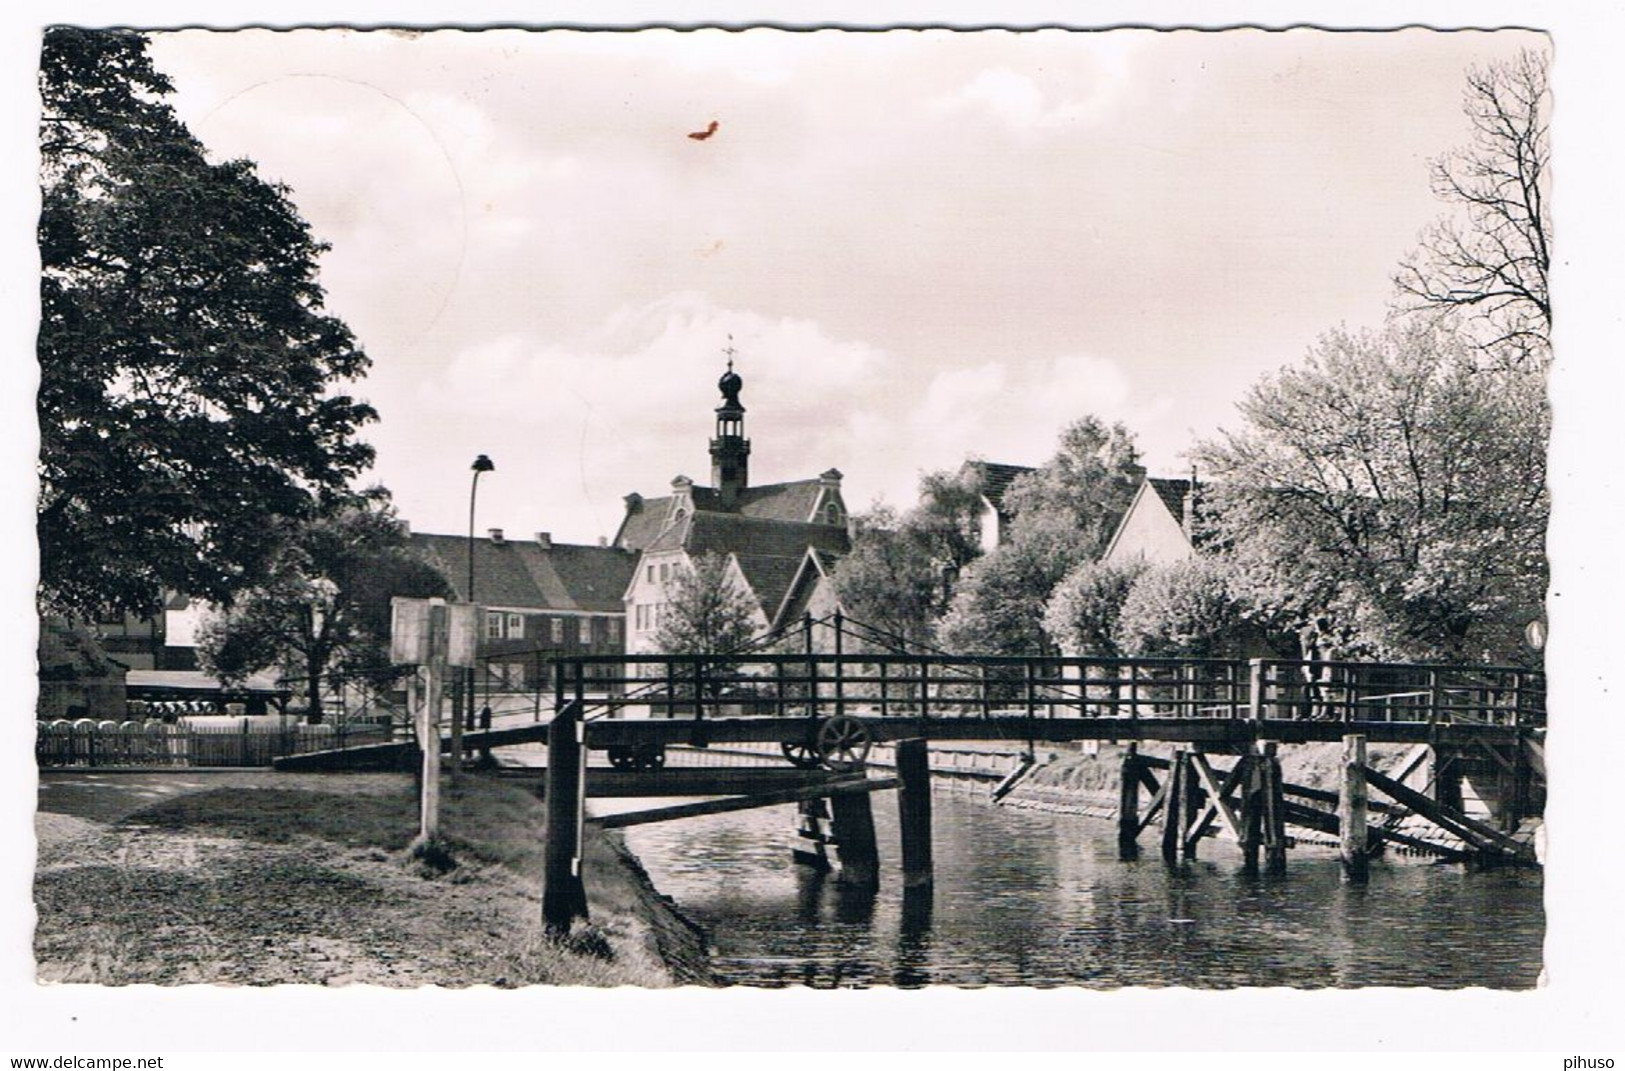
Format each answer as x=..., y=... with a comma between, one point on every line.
x=914, y=810
x=855, y=840
x=1255, y=690
x=428, y=725
x=1274, y=806
x=1128, y=806
x=1190, y=802
x=813, y=830
x=1353, y=802
x=1252, y=813
x=564, y=898
x=1173, y=808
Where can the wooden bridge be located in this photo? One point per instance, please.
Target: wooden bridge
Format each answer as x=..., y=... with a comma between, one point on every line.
x=827, y=692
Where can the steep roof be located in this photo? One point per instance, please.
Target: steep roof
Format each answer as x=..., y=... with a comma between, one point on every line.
x=769, y=552
x=1172, y=493
x=790, y=502
x=996, y=478
x=524, y=573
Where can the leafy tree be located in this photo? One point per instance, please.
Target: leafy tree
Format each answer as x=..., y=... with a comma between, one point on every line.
x=1086, y=486
x=1082, y=612
x=188, y=372
x=705, y=612
x=1396, y=488
x=323, y=609
x=947, y=520
x=1187, y=609
x=891, y=579
x=1489, y=261
x=1065, y=513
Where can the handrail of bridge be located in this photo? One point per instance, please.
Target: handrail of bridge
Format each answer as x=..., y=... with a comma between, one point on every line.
x=930, y=685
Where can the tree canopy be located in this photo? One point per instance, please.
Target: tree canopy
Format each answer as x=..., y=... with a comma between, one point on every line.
x=1065, y=513
x=323, y=607
x=1487, y=262
x=705, y=611
x=190, y=381
x=1394, y=486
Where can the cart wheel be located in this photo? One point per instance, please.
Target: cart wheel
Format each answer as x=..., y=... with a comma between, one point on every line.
x=649, y=757
x=843, y=744
x=622, y=757
x=802, y=755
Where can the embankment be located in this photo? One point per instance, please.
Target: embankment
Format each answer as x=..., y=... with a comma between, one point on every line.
x=256, y=878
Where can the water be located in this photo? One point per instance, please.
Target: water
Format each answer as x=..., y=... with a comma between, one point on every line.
x=1023, y=898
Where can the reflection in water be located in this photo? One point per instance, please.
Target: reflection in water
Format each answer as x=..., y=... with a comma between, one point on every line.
x=1033, y=899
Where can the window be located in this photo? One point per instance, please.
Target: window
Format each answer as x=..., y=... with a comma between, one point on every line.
x=584, y=631
x=555, y=627
x=650, y=574
x=504, y=626
x=614, y=630
x=665, y=572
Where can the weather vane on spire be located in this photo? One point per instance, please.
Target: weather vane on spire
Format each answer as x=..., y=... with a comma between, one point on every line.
x=730, y=382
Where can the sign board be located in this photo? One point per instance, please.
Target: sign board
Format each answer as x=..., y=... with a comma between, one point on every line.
x=414, y=632
x=409, y=632
x=462, y=633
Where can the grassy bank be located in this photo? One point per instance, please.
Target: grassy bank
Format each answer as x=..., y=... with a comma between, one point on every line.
x=263, y=878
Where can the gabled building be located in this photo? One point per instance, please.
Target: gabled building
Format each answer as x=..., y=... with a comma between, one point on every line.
x=1160, y=524
x=992, y=480
x=781, y=540
x=542, y=600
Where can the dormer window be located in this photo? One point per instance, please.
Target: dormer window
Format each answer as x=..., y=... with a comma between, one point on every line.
x=833, y=514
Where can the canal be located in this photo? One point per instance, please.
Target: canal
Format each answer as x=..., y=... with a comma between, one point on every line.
x=1025, y=898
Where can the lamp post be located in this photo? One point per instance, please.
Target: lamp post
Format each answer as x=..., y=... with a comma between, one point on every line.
x=481, y=464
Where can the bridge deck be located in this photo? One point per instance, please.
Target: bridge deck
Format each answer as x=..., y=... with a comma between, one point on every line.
x=1213, y=732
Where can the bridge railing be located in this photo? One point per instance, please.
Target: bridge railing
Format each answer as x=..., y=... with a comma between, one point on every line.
x=903, y=685
x=1403, y=692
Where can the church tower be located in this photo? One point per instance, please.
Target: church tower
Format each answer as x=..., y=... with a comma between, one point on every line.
x=730, y=450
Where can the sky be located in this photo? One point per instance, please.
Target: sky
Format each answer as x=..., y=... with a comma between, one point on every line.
x=924, y=246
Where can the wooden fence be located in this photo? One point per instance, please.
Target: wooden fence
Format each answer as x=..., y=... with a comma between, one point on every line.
x=154, y=743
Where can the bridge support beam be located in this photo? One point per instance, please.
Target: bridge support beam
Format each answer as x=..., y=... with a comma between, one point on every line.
x=1128, y=805
x=914, y=811
x=855, y=841
x=1191, y=798
x=1353, y=805
x=812, y=828
x=1173, y=806
x=1273, y=797
x=564, y=897
x=1252, y=810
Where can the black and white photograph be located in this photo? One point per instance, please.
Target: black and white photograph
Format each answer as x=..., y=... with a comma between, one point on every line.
x=821, y=509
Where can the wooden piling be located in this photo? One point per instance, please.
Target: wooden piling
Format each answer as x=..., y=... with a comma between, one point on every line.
x=1190, y=804
x=914, y=810
x=1353, y=803
x=1273, y=795
x=855, y=848
x=1252, y=812
x=564, y=898
x=813, y=832
x=1173, y=806
x=1128, y=806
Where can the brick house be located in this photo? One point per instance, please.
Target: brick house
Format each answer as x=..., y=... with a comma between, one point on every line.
x=543, y=600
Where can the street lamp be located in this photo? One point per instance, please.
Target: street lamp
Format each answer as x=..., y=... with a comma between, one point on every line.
x=481, y=464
